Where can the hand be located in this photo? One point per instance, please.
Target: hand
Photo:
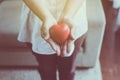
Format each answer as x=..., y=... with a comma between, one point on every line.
x=45, y=33
x=67, y=48
x=47, y=23
x=73, y=26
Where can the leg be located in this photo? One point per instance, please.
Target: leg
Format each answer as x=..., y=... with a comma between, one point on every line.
x=47, y=66
x=66, y=65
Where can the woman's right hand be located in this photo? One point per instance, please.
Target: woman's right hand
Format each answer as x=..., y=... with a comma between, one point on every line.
x=47, y=23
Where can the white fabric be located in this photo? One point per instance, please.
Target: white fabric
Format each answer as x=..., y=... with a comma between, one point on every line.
x=116, y=3
x=118, y=18
x=117, y=26
x=30, y=25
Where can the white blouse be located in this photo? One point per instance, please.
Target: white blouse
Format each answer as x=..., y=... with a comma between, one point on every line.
x=30, y=25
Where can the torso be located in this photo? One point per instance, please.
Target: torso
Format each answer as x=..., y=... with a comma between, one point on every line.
x=30, y=30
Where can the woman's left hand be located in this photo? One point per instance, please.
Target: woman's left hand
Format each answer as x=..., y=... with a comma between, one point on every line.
x=67, y=48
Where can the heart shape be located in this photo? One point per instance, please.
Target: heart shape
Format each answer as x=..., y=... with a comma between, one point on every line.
x=59, y=33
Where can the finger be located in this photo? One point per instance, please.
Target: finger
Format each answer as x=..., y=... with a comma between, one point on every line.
x=70, y=48
x=51, y=43
x=63, y=49
x=47, y=36
x=44, y=33
x=54, y=46
x=58, y=51
x=62, y=46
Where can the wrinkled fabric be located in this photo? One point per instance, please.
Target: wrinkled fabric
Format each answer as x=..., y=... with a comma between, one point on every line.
x=30, y=25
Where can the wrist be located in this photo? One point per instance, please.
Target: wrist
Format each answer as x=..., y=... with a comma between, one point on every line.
x=48, y=16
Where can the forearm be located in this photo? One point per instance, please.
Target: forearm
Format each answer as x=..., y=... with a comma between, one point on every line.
x=71, y=7
x=39, y=8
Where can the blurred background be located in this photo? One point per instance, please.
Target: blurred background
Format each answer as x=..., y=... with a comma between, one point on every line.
x=9, y=13
x=110, y=53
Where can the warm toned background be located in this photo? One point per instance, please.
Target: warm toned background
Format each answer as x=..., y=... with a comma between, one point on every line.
x=110, y=54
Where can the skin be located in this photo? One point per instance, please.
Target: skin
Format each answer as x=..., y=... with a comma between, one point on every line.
x=71, y=7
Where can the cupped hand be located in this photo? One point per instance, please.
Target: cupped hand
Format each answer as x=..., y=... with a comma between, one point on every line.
x=67, y=48
x=73, y=27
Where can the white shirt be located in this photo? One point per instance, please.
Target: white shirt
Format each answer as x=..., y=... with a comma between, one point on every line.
x=30, y=25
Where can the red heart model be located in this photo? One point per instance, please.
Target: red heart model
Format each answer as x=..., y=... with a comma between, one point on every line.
x=59, y=33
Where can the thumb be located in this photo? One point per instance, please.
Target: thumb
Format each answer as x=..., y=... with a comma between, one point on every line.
x=44, y=32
